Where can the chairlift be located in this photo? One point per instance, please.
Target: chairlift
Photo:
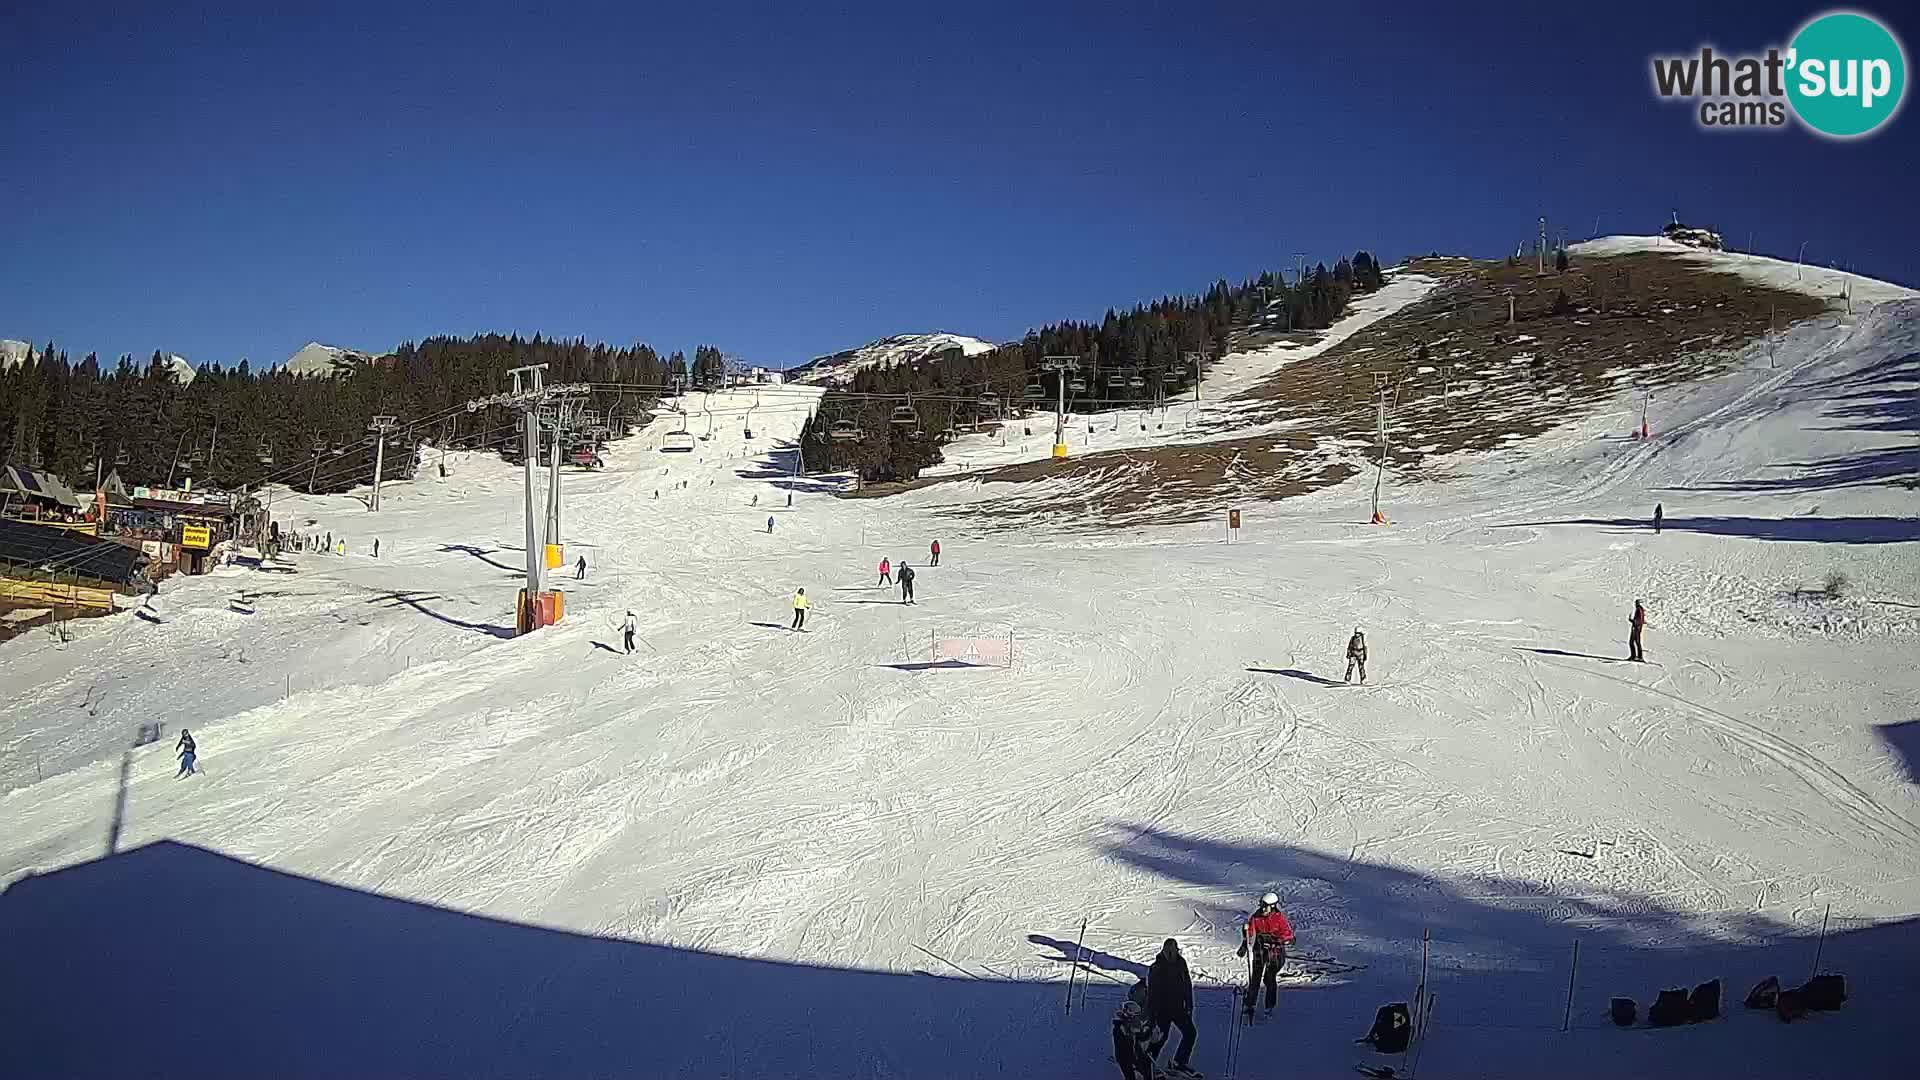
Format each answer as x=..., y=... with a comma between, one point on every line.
x=991, y=401
x=1170, y=376
x=844, y=430
x=1136, y=382
x=1077, y=384
x=121, y=457
x=677, y=442
x=1035, y=391
x=904, y=414
x=265, y=453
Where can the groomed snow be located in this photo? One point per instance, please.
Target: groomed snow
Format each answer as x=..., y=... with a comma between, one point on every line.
x=729, y=855
x=1809, y=278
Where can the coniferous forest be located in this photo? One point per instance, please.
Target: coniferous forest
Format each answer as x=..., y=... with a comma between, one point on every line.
x=1127, y=359
x=231, y=428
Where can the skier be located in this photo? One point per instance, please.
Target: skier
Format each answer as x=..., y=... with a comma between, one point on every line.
x=1659, y=515
x=1170, y=1005
x=1356, y=656
x=1268, y=934
x=628, y=628
x=376, y=547
x=906, y=583
x=756, y=500
x=1638, y=623
x=769, y=524
x=886, y=572
x=580, y=569
x=800, y=605
x=936, y=553
x=187, y=752
x=1130, y=1031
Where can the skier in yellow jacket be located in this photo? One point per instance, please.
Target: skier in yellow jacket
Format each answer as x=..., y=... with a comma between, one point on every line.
x=800, y=610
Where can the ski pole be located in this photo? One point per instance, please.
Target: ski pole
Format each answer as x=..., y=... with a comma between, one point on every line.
x=1422, y=1048
x=1076, y=964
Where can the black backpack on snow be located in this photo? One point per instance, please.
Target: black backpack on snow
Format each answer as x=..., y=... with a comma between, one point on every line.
x=1392, y=1027
x=1625, y=1011
x=1704, y=1002
x=1824, y=992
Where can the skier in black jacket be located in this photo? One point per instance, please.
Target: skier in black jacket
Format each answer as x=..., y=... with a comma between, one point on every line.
x=1170, y=1004
x=906, y=584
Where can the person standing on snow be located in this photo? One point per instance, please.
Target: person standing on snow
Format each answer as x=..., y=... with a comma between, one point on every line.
x=886, y=572
x=800, y=604
x=188, y=753
x=628, y=627
x=580, y=569
x=769, y=524
x=936, y=553
x=376, y=547
x=906, y=584
x=1130, y=1031
x=1170, y=1005
x=1267, y=934
x=1659, y=516
x=1637, y=624
x=1356, y=656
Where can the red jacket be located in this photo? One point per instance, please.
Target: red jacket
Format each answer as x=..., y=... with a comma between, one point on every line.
x=936, y=547
x=1272, y=925
x=885, y=565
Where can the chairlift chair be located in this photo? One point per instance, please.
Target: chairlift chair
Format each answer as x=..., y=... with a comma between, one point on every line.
x=1077, y=384
x=845, y=430
x=1035, y=391
x=1135, y=382
x=904, y=414
x=677, y=442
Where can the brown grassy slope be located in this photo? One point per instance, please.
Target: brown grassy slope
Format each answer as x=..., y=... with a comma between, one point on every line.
x=1639, y=321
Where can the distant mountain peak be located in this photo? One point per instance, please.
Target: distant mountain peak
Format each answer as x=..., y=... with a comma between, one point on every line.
x=840, y=368
x=329, y=360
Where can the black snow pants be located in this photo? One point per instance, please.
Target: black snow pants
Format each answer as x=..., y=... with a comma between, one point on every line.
x=1267, y=962
x=1633, y=645
x=1163, y=1029
x=799, y=617
x=1356, y=661
x=906, y=590
x=628, y=634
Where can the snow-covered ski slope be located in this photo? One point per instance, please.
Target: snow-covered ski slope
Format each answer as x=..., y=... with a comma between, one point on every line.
x=424, y=848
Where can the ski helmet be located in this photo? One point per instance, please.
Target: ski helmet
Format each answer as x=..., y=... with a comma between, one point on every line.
x=1271, y=899
x=1130, y=1010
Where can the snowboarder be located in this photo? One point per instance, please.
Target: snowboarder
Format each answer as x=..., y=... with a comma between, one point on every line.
x=886, y=572
x=1130, y=1031
x=1267, y=934
x=1356, y=656
x=187, y=752
x=769, y=524
x=580, y=569
x=1637, y=623
x=1170, y=1005
x=936, y=553
x=628, y=627
x=906, y=583
x=800, y=604
x=1659, y=515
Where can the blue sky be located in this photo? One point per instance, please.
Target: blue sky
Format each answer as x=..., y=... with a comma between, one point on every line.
x=783, y=180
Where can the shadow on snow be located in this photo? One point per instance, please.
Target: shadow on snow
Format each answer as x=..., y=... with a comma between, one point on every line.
x=1827, y=530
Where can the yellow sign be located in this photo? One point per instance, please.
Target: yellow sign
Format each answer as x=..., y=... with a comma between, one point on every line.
x=196, y=536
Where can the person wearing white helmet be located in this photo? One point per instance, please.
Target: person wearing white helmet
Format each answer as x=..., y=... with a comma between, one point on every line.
x=1267, y=936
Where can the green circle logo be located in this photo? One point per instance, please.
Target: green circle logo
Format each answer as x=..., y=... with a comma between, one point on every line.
x=1846, y=74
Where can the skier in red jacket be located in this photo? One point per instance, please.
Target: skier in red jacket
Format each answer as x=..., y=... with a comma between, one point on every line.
x=1268, y=934
x=935, y=551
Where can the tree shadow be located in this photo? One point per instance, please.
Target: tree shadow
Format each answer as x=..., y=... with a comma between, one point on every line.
x=1296, y=673
x=1890, y=466
x=891, y=603
x=482, y=553
x=1501, y=965
x=1826, y=530
x=1904, y=740
x=403, y=598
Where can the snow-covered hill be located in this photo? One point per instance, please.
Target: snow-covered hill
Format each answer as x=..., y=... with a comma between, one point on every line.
x=15, y=352
x=314, y=358
x=858, y=850
x=180, y=367
x=840, y=368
